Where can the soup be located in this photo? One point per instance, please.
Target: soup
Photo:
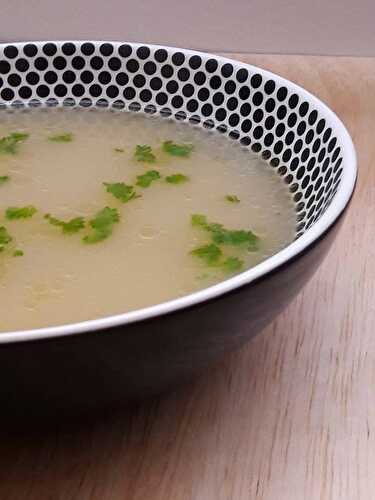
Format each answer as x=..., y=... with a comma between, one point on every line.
x=103, y=213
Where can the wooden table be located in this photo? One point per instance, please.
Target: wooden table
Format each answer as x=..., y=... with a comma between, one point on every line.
x=289, y=417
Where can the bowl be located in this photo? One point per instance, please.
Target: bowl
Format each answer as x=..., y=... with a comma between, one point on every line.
x=110, y=361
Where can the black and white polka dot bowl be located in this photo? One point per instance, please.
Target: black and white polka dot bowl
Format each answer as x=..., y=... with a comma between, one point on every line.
x=108, y=361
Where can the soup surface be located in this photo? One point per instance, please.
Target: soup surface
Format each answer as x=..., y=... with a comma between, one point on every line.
x=92, y=225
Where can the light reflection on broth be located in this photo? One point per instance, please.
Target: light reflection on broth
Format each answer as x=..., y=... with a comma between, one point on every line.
x=147, y=257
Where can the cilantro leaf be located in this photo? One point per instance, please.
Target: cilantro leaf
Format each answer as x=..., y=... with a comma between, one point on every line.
x=146, y=179
x=5, y=237
x=13, y=213
x=102, y=225
x=3, y=179
x=67, y=137
x=210, y=254
x=182, y=150
x=18, y=253
x=144, y=153
x=9, y=144
x=176, y=178
x=121, y=191
x=232, y=264
x=72, y=226
x=232, y=198
x=199, y=220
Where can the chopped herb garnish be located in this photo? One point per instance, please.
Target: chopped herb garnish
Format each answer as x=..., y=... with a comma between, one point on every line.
x=176, y=178
x=210, y=254
x=232, y=264
x=9, y=144
x=5, y=238
x=144, y=153
x=18, y=253
x=146, y=179
x=72, y=226
x=174, y=149
x=13, y=213
x=102, y=225
x=121, y=191
x=232, y=198
x=4, y=178
x=67, y=137
x=119, y=150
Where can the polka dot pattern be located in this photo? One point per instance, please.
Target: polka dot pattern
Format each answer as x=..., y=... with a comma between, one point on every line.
x=243, y=103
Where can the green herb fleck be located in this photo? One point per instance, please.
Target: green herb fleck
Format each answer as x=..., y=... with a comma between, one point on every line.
x=210, y=254
x=72, y=226
x=146, y=179
x=232, y=264
x=5, y=238
x=3, y=179
x=232, y=198
x=182, y=150
x=67, y=137
x=102, y=225
x=9, y=144
x=121, y=191
x=18, y=253
x=119, y=150
x=176, y=178
x=144, y=153
x=13, y=213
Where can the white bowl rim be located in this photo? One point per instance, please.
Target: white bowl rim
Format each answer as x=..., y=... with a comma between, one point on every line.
x=332, y=213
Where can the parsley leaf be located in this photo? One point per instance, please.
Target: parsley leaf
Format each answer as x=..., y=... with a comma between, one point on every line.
x=9, y=144
x=210, y=254
x=146, y=179
x=182, y=150
x=232, y=264
x=102, y=225
x=5, y=238
x=232, y=198
x=144, y=153
x=72, y=226
x=67, y=137
x=18, y=253
x=4, y=178
x=13, y=213
x=176, y=178
x=121, y=191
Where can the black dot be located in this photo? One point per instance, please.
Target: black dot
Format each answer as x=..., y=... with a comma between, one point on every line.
x=325, y=164
x=14, y=80
x=195, y=62
x=312, y=117
x=244, y=92
x=59, y=62
x=294, y=164
x=69, y=76
x=112, y=91
x=320, y=126
x=220, y=114
x=129, y=93
x=282, y=93
x=246, y=126
x=300, y=172
x=95, y=90
x=96, y=62
x=104, y=77
x=280, y=129
x=331, y=144
x=257, y=98
x=245, y=141
x=7, y=94
x=161, y=98
x=78, y=62
x=188, y=90
x=25, y=92
x=149, y=68
x=41, y=63
x=49, y=49
x=293, y=101
x=139, y=80
x=258, y=132
x=301, y=128
x=69, y=101
x=256, y=147
x=269, y=87
x=256, y=81
x=328, y=174
x=207, y=110
x=227, y=70
x=50, y=77
x=203, y=94
x=118, y=104
x=311, y=163
x=315, y=174
x=258, y=115
x=269, y=123
x=316, y=145
x=281, y=112
x=161, y=55
x=150, y=108
x=305, y=154
x=230, y=87
x=218, y=98
x=10, y=51
x=172, y=87
x=165, y=112
x=177, y=101
x=87, y=49
x=199, y=78
x=132, y=65
x=4, y=67
x=167, y=70
x=178, y=58
x=282, y=170
x=33, y=78
x=298, y=146
x=211, y=65
x=208, y=124
x=22, y=65
x=234, y=134
x=68, y=48
x=122, y=78
x=337, y=165
x=125, y=50
x=305, y=182
x=327, y=135
x=215, y=82
x=60, y=90
x=42, y=90
x=156, y=83
x=270, y=105
x=278, y=147
x=242, y=75
x=114, y=63
x=87, y=76
x=303, y=109
x=292, y=119
x=245, y=109
x=183, y=74
x=234, y=120
x=309, y=136
x=287, y=155
x=106, y=49
x=289, y=138
x=192, y=105
x=78, y=90
x=30, y=50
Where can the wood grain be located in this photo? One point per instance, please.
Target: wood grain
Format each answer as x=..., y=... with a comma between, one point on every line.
x=289, y=417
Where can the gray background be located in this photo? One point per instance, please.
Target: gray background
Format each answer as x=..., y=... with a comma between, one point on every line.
x=344, y=27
